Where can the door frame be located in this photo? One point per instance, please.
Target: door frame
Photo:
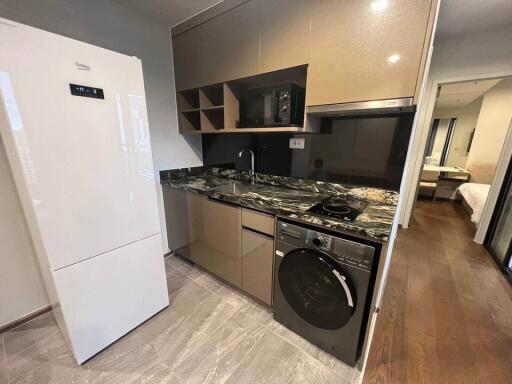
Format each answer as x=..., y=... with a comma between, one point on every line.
x=496, y=214
x=417, y=149
x=497, y=182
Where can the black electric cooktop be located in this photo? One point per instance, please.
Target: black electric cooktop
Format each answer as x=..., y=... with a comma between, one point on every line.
x=339, y=208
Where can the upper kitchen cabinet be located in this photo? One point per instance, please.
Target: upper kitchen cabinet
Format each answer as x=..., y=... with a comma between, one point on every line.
x=223, y=48
x=367, y=50
x=285, y=27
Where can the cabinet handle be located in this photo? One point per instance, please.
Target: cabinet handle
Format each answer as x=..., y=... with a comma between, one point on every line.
x=220, y=201
x=257, y=232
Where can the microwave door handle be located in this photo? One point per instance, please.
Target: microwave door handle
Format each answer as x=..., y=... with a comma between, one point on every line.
x=276, y=105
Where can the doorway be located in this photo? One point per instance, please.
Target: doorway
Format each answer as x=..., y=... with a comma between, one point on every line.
x=464, y=152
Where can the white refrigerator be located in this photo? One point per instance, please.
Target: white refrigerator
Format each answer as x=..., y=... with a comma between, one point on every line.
x=74, y=124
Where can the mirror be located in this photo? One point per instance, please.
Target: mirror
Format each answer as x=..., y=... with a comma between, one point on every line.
x=439, y=148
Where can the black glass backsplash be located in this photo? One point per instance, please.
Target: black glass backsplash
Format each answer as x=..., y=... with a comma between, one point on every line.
x=366, y=151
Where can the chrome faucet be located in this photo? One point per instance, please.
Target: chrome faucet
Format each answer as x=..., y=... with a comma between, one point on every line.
x=251, y=174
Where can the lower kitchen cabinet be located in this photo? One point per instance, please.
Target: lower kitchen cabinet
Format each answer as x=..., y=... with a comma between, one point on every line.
x=257, y=264
x=232, y=243
x=214, y=229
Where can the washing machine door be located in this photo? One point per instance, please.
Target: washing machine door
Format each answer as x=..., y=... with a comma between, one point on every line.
x=316, y=287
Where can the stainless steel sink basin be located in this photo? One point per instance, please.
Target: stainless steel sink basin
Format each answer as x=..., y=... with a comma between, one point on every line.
x=233, y=188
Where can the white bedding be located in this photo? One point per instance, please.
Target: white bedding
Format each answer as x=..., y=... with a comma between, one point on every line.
x=475, y=195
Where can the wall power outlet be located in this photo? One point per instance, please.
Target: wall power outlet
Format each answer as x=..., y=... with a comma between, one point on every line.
x=297, y=143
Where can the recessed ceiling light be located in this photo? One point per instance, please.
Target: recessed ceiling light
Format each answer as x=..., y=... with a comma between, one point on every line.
x=393, y=58
x=379, y=5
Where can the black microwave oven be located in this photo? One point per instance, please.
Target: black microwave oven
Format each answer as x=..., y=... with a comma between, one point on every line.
x=275, y=106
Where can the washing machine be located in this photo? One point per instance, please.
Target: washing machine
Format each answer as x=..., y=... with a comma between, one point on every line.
x=323, y=286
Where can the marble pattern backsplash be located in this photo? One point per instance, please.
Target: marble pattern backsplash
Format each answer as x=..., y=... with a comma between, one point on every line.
x=291, y=198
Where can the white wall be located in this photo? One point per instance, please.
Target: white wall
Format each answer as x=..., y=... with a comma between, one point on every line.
x=473, y=56
x=492, y=126
x=107, y=24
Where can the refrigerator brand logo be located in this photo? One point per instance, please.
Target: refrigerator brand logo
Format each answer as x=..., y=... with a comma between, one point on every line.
x=82, y=67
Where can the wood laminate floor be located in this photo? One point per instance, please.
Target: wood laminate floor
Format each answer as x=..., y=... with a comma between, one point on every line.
x=209, y=334
x=447, y=310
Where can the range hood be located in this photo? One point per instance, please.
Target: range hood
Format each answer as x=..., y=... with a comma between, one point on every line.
x=373, y=107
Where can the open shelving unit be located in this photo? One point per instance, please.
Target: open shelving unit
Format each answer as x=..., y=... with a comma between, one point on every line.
x=215, y=108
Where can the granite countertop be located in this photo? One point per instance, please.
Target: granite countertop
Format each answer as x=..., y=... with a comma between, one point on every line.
x=290, y=198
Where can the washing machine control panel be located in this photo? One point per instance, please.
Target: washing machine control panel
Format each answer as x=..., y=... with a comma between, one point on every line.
x=356, y=254
x=319, y=240
x=345, y=251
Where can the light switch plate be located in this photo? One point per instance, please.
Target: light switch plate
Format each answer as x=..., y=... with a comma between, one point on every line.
x=297, y=143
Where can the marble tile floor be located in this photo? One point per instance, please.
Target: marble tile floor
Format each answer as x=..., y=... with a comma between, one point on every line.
x=211, y=333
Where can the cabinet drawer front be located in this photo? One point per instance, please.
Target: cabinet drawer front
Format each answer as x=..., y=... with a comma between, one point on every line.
x=257, y=263
x=261, y=222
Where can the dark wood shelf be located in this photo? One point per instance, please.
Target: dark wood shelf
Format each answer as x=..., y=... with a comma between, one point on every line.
x=213, y=108
x=191, y=110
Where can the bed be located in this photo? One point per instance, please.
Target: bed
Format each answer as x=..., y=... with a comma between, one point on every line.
x=474, y=196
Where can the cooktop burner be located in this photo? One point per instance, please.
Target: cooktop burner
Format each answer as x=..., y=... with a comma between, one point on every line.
x=341, y=209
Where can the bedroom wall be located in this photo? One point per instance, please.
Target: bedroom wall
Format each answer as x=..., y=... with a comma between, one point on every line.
x=491, y=130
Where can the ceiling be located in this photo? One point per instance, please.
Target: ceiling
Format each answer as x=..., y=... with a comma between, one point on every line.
x=458, y=95
x=170, y=12
x=461, y=17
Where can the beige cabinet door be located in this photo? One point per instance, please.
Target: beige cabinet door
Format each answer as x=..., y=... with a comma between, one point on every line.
x=214, y=230
x=257, y=265
x=285, y=27
x=195, y=210
x=365, y=50
x=187, y=59
x=176, y=217
x=221, y=49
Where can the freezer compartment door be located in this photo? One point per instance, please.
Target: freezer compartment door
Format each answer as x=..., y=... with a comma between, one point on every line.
x=105, y=297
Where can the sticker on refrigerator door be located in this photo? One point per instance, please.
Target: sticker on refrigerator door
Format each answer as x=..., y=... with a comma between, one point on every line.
x=297, y=143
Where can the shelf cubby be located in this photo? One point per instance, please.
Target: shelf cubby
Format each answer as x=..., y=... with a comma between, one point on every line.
x=190, y=120
x=188, y=100
x=211, y=96
x=212, y=119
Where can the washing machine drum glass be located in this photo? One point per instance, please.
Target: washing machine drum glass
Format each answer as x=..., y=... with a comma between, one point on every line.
x=316, y=288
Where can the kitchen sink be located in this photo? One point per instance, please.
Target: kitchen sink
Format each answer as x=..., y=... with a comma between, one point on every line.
x=233, y=188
